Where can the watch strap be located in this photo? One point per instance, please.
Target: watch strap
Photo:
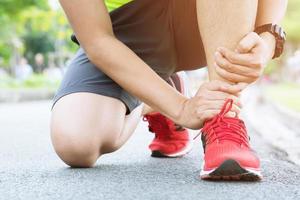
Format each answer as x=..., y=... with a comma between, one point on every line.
x=278, y=33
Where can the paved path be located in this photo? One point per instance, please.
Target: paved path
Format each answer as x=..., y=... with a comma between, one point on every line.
x=29, y=168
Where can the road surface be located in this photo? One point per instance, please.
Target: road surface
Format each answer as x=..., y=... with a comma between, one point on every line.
x=29, y=168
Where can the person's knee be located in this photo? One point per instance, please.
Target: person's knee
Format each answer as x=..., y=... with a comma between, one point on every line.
x=79, y=146
x=110, y=147
x=81, y=134
x=74, y=146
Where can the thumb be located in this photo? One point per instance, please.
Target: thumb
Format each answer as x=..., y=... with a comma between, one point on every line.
x=248, y=43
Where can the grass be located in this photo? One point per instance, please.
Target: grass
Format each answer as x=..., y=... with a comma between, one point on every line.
x=286, y=94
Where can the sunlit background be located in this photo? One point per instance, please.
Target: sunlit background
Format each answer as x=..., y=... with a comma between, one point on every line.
x=35, y=49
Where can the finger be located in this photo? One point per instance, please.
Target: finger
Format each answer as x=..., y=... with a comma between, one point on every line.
x=218, y=105
x=217, y=85
x=250, y=41
x=208, y=114
x=231, y=114
x=211, y=105
x=247, y=59
x=232, y=77
x=242, y=85
x=234, y=68
x=214, y=85
x=217, y=95
x=235, y=89
x=236, y=109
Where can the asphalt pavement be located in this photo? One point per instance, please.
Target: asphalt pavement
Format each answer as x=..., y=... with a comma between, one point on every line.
x=30, y=169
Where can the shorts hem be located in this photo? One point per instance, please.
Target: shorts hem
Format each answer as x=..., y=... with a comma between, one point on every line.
x=130, y=102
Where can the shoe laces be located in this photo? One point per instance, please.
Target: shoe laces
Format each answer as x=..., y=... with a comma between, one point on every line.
x=221, y=128
x=161, y=126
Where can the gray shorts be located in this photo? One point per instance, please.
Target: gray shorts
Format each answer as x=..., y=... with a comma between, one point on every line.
x=164, y=34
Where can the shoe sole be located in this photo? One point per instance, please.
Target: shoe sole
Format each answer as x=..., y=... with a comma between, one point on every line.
x=186, y=150
x=230, y=170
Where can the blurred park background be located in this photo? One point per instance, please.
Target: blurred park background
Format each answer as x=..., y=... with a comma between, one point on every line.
x=35, y=48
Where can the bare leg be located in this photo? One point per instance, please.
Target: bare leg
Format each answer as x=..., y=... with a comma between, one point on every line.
x=81, y=133
x=224, y=23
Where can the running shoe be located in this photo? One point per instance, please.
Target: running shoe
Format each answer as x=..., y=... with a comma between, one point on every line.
x=227, y=152
x=171, y=140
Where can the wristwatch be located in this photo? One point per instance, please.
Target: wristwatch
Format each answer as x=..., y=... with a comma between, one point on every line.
x=278, y=33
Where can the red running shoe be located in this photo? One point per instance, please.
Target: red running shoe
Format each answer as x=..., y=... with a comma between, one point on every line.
x=228, y=155
x=170, y=140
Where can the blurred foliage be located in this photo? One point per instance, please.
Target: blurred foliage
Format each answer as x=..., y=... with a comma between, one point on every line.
x=35, y=81
x=44, y=32
x=13, y=7
x=291, y=22
x=11, y=15
x=31, y=27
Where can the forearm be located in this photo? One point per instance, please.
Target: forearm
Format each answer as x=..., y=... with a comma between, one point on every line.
x=270, y=11
x=93, y=28
x=117, y=61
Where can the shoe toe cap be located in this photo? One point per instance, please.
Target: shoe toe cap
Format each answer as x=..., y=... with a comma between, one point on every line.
x=245, y=157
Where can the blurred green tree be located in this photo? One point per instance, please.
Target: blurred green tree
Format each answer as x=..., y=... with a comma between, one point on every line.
x=31, y=26
x=11, y=8
x=44, y=32
x=291, y=22
x=10, y=16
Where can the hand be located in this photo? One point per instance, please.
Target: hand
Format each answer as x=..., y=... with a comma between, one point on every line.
x=245, y=64
x=208, y=102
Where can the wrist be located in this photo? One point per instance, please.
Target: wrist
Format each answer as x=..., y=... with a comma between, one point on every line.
x=270, y=43
x=178, y=112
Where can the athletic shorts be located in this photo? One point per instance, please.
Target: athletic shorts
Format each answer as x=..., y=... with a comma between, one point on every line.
x=164, y=34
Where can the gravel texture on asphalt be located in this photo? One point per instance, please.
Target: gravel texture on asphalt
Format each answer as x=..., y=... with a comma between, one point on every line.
x=30, y=169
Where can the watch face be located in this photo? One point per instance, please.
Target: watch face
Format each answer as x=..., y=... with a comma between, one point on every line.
x=280, y=32
x=280, y=40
